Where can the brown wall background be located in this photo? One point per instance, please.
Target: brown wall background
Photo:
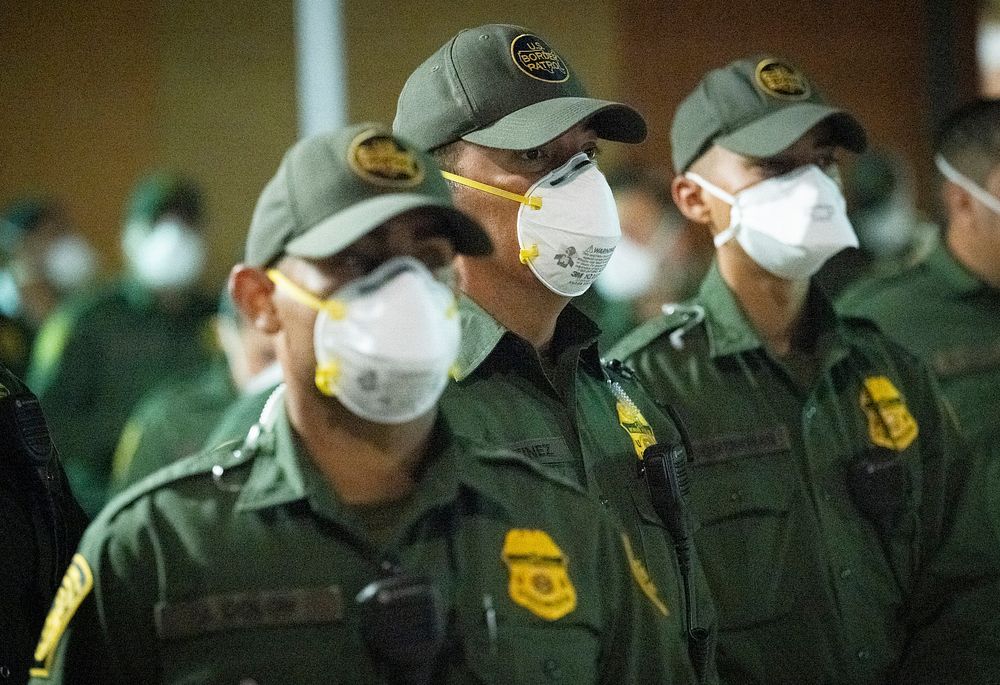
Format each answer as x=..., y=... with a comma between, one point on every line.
x=868, y=57
x=93, y=93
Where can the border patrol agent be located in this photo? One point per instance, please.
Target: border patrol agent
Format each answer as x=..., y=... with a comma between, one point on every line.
x=352, y=537
x=947, y=309
x=841, y=532
x=98, y=354
x=40, y=525
x=515, y=132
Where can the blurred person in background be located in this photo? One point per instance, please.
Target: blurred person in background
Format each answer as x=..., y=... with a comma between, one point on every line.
x=892, y=233
x=947, y=309
x=660, y=258
x=175, y=419
x=98, y=354
x=43, y=259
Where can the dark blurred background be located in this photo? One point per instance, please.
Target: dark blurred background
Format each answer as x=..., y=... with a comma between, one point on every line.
x=94, y=93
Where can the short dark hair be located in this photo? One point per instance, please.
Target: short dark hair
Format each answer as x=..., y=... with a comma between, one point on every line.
x=446, y=155
x=969, y=139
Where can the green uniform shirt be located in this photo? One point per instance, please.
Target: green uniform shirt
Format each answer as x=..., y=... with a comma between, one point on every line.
x=237, y=418
x=94, y=360
x=810, y=590
x=566, y=418
x=944, y=313
x=250, y=575
x=171, y=422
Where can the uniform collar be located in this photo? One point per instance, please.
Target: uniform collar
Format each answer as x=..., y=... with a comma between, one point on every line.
x=284, y=473
x=481, y=334
x=730, y=332
x=277, y=476
x=958, y=280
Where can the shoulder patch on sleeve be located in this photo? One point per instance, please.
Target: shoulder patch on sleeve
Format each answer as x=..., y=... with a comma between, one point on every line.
x=76, y=585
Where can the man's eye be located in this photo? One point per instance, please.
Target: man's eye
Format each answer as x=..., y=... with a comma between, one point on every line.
x=533, y=155
x=776, y=167
x=357, y=265
x=593, y=152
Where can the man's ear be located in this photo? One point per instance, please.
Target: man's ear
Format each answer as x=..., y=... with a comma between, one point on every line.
x=252, y=292
x=958, y=204
x=690, y=200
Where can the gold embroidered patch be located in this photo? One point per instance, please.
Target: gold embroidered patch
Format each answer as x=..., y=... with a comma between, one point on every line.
x=76, y=585
x=642, y=578
x=380, y=158
x=534, y=57
x=890, y=423
x=781, y=80
x=635, y=424
x=539, y=578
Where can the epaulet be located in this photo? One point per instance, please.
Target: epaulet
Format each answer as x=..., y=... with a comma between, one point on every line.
x=677, y=318
x=223, y=458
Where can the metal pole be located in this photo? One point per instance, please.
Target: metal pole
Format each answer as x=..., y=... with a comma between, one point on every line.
x=320, y=52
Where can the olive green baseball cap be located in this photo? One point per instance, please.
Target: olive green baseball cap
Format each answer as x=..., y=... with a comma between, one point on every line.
x=756, y=107
x=503, y=86
x=334, y=188
x=160, y=192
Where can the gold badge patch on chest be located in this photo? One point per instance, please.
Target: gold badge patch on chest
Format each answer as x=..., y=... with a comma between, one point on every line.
x=539, y=578
x=635, y=424
x=76, y=585
x=890, y=423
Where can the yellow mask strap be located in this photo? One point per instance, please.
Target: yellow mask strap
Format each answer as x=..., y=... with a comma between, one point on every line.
x=527, y=254
x=532, y=201
x=333, y=308
x=326, y=378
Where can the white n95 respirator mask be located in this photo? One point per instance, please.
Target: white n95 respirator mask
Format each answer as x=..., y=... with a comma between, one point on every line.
x=166, y=256
x=385, y=342
x=70, y=263
x=791, y=224
x=567, y=226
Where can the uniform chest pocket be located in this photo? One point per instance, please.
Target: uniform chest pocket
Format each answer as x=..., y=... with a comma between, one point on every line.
x=532, y=655
x=287, y=654
x=278, y=636
x=746, y=539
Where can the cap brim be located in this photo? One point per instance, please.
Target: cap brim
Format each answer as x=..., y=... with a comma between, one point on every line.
x=332, y=235
x=537, y=124
x=775, y=132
